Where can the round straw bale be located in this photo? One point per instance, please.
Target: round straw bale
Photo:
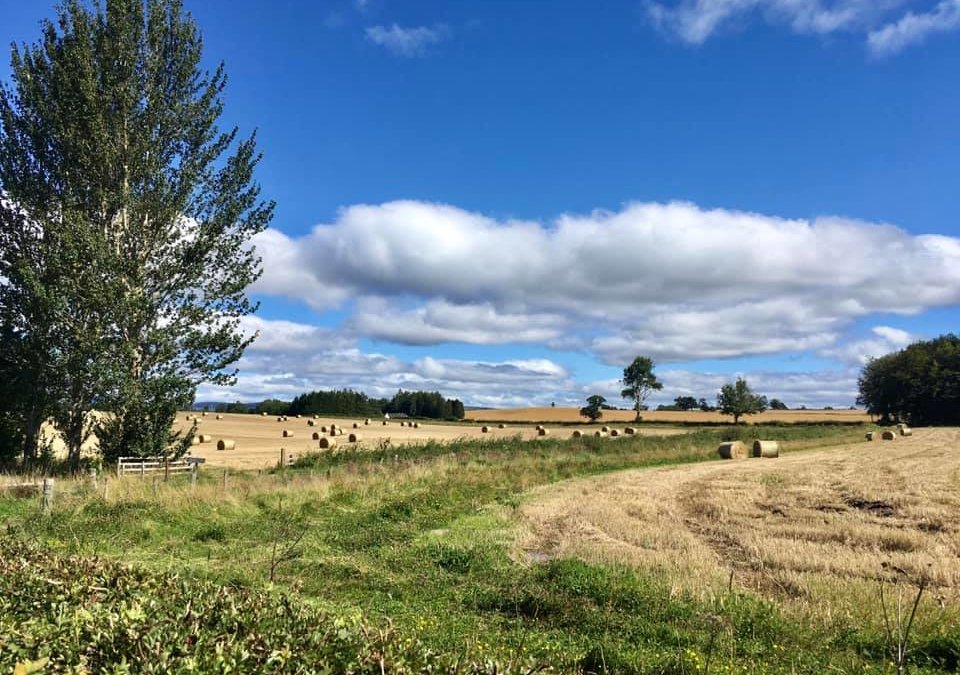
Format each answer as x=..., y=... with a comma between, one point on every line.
x=367, y=421
x=629, y=431
x=195, y=440
x=542, y=431
x=484, y=429
x=402, y=423
x=356, y=425
x=732, y=450
x=323, y=429
x=384, y=423
x=287, y=433
x=263, y=414
x=327, y=442
x=205, y=438
x=605, y=428
x=576, y=433
x=906, y=431
x=280, y=419
x=539, y=427
x=315, y=436
x=336, y=431
x=219, y=417
x=354, y=437
x=869, y=435
x=501, y=426
x=600, y=434
x=766, y=449
x=416, y=425
x=888, y=435
x=900, y=425
x=311, y=423
x=614, y=433
x=226, y=444
x=298, y=416
x=204, y=413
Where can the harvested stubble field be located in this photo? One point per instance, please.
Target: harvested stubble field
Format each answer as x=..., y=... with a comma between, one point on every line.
x=813, y=530
x=549, y=415
x=259, y=439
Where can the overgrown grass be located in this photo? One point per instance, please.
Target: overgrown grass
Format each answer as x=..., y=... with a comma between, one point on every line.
x=422, y=536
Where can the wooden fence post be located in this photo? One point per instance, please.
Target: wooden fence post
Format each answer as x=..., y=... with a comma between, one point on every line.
x=93, y=479
x=283, y=457
x=193, y=477
x=47, y=495
x=225, y=479
x=166, y=469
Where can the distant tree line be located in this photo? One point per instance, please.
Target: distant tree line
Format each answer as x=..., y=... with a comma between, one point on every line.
x=431, y=405
x=919, y=384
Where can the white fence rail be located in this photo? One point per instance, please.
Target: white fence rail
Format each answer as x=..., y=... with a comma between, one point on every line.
x=141, y=466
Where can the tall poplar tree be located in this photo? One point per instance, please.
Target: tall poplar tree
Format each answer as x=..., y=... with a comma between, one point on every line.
x=131, y=213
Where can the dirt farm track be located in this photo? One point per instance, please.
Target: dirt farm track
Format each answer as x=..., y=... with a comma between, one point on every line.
x=259, y=439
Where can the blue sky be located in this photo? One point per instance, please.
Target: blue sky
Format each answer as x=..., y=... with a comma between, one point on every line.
x=506, y=200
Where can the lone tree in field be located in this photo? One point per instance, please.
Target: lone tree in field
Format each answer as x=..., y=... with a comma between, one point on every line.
x=738, y=400
x=594, y=408
x=126, y=216
x=639, y=382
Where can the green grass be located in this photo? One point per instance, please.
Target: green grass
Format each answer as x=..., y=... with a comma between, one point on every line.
x=421, y=536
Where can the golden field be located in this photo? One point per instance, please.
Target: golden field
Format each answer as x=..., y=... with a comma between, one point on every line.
x=559, y=415
x=259, y=439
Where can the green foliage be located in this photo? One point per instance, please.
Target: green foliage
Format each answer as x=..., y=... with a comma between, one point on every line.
x=777, y=404
x=337, y=402
x=424, y=404
x=685, y=403
x=594, y=408
x=273, y=406
x=85, y=615
x=919, y=384
x=125, y=222
x=639, y=382
x=738, y=400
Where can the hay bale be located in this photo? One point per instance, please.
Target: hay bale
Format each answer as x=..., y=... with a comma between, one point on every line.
x=888, y=435
x=327, y=442
x=484, y=429
x=287, y=433
x=384, y=423
x=732, y=450
x=336, y=431
x=614, y=433
x=869, y=435
x=766, y=449
x=298, y=416
x=323, y=429
x=600, y=434
x=219, y=417
x=539, y=427
x=402, y=423
x=311, y=423
x=605, y=428
x=356, y=425
x=206, y=438
x=367, y=421
x=630, y=431
x=226, y=444
x=204, y=413
x=280, y=418
x=315, y=436
x=576, y=433
x=416, y=425
x=906, y=431
x=354, y=437
x=501, y=426
x=195, y=440
x=542, y=431
x=263, y=414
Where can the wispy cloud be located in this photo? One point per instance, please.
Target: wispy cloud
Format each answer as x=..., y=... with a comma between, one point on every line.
x=914, y=28
x=886, y=28
x=413, y=41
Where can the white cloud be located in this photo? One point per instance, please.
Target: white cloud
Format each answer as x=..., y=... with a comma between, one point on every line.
x=887, y=30
x=671, y=280
x=289, y=358
x=914, y=28
x=885, y=340
x=412, y=41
